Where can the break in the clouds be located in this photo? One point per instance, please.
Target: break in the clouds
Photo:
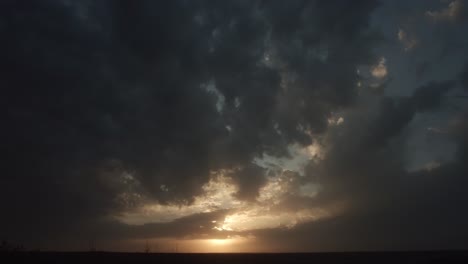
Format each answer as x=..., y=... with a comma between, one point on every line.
x=453, y=11
x=234, y=125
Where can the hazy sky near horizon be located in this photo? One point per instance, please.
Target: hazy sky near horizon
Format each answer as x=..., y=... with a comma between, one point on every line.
x=233, y=126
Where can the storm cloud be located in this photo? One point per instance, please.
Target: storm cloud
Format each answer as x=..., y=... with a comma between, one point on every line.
x=114, y=106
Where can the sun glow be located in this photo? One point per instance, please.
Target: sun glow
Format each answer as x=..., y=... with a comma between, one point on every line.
x=220, y=242
x=228, y=243
x=269, y=210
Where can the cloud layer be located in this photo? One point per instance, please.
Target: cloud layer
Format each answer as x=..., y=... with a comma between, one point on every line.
x=195, y=119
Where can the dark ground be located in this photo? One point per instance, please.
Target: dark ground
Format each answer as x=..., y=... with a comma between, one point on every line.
x=320, y=258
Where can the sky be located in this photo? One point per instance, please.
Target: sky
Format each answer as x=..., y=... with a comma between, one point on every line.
x=234, y=126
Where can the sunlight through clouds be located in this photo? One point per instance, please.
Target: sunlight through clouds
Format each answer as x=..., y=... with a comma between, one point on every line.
x=266, y=212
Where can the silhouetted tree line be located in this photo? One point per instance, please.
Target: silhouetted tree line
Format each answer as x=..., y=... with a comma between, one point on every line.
x=8, y=247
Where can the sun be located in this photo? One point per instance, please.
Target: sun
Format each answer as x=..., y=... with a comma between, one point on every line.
x=220, y=242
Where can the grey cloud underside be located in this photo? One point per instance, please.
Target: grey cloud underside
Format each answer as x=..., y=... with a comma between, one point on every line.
x=464, y=77
x=96, y=90
x=392, y=208
x=93, y=82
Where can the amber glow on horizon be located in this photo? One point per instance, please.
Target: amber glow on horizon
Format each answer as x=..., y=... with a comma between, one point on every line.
x=271, y=209
x=226, y=244
x=220, y=242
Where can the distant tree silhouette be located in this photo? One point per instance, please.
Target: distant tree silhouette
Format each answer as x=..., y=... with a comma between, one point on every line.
x=147, y=248
x=8, y=247
x=4, y=246
x=92, y=245
x=156, y=248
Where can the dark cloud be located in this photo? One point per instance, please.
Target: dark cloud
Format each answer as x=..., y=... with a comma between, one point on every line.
x=249, y=180
x=113, y=104
x=390, y=207
x=193, y=226
x=464, y=77
x=94, y=91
